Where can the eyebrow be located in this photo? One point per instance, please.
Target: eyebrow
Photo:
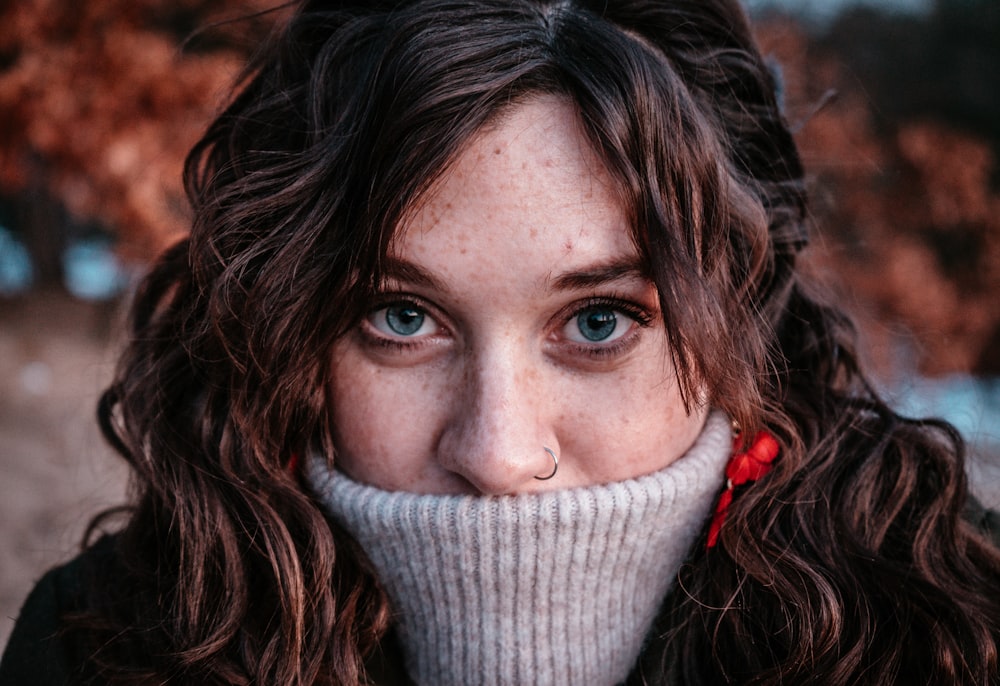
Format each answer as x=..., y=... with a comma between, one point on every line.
x=630, y=267
x=407, y=272
x=596, y=275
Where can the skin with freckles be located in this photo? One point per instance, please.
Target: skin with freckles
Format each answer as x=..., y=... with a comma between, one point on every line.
x=516, y=315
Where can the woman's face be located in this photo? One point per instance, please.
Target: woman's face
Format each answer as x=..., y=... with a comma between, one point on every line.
x=515, y=317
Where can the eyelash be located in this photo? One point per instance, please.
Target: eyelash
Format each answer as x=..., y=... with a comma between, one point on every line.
x=637, y=313
x=394, y=299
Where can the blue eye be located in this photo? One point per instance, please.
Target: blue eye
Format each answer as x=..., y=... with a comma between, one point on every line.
x=600, y=324
x=404, y=319
x=596, y=324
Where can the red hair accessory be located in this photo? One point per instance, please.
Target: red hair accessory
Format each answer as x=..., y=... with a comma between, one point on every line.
x=744, y=467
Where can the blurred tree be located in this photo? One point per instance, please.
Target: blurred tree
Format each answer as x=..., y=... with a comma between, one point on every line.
x=944, y=64
x=100, y=101
x=907, y=214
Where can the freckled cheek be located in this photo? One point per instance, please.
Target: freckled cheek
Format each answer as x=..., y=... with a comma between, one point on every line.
x=625, y=425
x=385, y=422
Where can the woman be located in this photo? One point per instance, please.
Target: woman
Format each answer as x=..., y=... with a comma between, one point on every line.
x=442, y=386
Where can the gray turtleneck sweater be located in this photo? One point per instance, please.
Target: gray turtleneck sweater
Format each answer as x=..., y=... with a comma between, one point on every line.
x=559, y=587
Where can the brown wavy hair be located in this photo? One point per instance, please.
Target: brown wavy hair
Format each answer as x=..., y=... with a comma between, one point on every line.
x=850, y=563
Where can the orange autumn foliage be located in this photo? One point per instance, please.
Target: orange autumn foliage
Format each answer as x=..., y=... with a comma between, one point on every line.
x=906, y=218
x=99, y=102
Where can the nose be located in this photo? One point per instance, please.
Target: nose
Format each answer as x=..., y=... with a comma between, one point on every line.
x=497, y=436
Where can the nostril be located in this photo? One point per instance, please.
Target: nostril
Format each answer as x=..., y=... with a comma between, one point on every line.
x=506, y=471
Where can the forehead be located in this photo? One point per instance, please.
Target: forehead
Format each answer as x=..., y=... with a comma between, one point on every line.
x=530, y=186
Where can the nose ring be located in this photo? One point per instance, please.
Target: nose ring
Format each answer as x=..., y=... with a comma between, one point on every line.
x=555, y=465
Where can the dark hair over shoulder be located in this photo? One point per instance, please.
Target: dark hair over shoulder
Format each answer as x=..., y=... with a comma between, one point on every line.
x=848, y=564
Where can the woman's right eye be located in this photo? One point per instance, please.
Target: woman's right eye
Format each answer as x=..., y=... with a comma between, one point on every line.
x=403, y=320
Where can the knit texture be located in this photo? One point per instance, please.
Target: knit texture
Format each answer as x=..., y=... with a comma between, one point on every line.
x=559, y=587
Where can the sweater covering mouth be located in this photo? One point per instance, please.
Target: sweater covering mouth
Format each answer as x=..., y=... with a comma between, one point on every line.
x=556, y=587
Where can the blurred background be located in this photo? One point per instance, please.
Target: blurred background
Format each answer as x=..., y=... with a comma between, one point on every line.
x=895, y=104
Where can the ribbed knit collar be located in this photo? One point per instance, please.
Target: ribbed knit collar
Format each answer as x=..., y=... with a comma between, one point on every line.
x=559, y=587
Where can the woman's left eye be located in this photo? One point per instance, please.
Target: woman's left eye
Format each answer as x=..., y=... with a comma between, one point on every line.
x=598, y=324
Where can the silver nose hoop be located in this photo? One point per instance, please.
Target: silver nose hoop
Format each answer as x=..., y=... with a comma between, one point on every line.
x=555, y=465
